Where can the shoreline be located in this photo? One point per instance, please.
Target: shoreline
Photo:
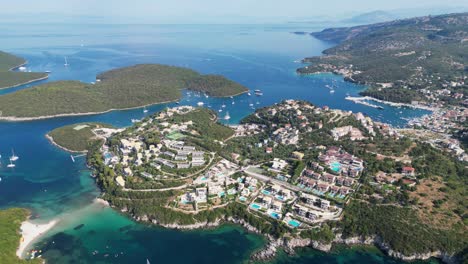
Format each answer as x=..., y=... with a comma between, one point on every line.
x=21, y=119
x=363, y=98
x=51, y=140
x=28, y=82
x=289, y=244
x=30, y=232
x=354, y=99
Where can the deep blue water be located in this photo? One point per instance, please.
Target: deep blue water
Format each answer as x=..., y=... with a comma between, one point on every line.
x=48, y=182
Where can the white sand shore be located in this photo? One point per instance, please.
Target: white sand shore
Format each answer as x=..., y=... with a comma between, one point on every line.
x=30, y=232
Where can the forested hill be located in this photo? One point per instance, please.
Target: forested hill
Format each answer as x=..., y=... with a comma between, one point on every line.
x=9, y=78
x=128, y=87
x=407, y=55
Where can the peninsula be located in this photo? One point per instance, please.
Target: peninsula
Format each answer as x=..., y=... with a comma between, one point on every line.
x=10, y=78
x=10, y=223
x=299, y=174
x=129, y=87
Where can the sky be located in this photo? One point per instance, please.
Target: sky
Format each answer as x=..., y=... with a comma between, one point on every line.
x=214, y=10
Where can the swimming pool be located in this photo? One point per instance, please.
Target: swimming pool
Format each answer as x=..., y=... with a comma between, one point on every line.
x=204, y=178
x=275, y=215
x=242, y=198
x=335, y=166
x=221, y=194
x=255, y=206
x=280, y=197
x=294, y=223
x=266, y=192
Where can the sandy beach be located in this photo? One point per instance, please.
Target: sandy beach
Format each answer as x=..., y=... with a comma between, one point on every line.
x=31, y=231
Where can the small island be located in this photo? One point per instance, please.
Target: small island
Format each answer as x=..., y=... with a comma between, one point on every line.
x=299, y=174
x=124, y=88
x=10, y=78
x=10, y=223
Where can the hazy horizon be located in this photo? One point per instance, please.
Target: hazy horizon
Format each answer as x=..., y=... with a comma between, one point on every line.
x=213, y=11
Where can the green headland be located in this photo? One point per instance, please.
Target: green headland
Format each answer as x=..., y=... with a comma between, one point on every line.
x=9, y=78
x=10, y=222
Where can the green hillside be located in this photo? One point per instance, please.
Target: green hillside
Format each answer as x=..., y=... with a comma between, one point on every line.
x=128, y=87
x=11, y=79
x=399, y=59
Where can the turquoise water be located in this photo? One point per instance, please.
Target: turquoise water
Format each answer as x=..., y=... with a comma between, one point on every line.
x=294, y=223
x=266, y=192
x=52, y=186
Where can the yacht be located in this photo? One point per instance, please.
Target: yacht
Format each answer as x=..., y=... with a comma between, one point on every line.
x=66, y=62
x=13, y=156
x=200, y=103
x=258, y=92
x=249, y=94
x=11, y=165
x=227, y=116
x=145, y=110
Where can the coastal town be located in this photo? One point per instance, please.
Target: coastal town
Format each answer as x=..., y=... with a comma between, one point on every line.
x=301, y=188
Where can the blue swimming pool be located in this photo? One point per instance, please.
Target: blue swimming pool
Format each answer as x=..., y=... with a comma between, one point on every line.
x=294, y=223
x=266, y=192
x=275, y=215
x=335, y=166
x=242, y=198
x=204, y=178
x=255, y=206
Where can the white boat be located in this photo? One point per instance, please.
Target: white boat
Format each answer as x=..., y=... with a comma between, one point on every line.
x=66, y=62
x=136, y=120
x=227, y=116
x=200, y=103
x=223, y=106
x=257, y=102
x=249, y=94
x=47, y=71
x=220, y=110
x=13, y=156
x=11, y=165
x=145, y=110
x=233, y=102
x=251, y=105
x=332, y=91
x=72, y=158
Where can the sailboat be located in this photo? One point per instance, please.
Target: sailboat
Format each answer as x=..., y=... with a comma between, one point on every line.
x=11, y=165
x=147, y=261
x=227, y=116
x=66, y=62
x=13, y=156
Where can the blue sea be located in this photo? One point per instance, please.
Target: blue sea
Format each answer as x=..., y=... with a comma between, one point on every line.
x=46, y=180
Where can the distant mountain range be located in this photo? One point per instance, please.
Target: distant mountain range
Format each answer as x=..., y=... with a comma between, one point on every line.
x=371, y=17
